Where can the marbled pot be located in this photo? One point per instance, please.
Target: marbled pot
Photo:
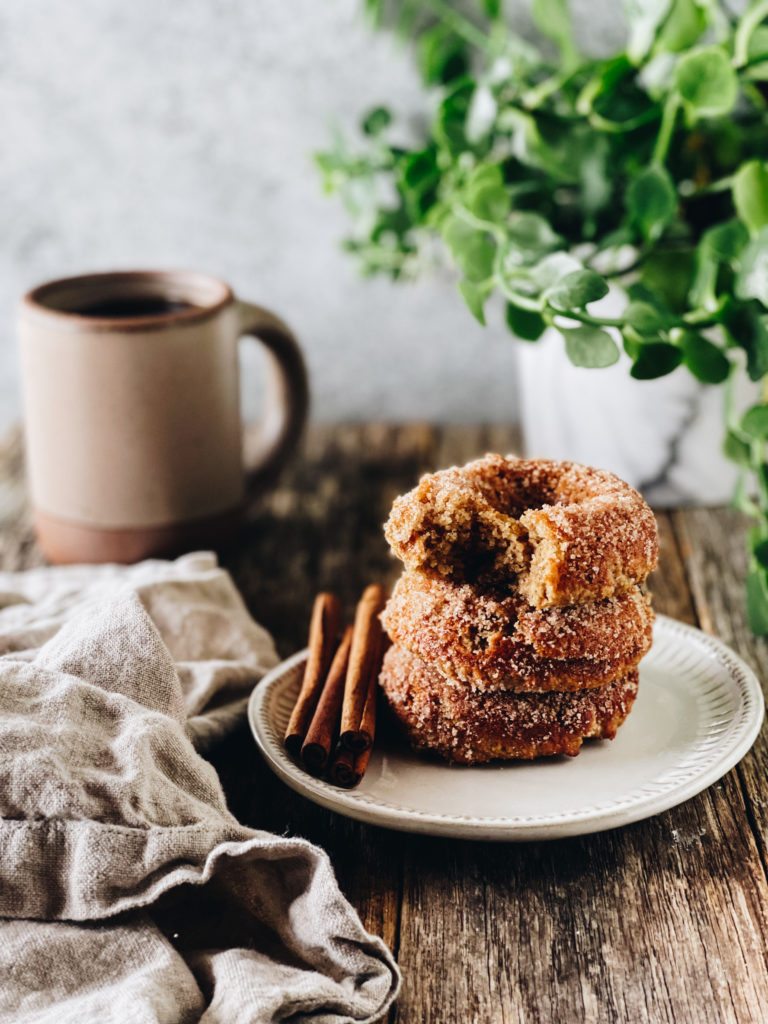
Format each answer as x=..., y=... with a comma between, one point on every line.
x=663, y=436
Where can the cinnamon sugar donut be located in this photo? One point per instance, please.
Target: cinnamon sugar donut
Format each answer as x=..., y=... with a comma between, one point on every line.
x=496, y=641
x=562, y=533
x=468, y=727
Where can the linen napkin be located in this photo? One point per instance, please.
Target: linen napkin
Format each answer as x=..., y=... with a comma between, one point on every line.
x=128, y=892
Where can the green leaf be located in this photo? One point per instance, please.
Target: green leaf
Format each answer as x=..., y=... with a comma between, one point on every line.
x=761, y=475
x=757, y=601
x=750, y=194
x=589, y=346
x=609, y=75
x=745, y=28
x=656, y=359
x=524, y=323
x=652, y=202
x=576, y=290
x=644, y=318
x=706, y=82
x=706, y=361
x=639, y=291
x=485, y=174
x=472, y=250
x=758, y=55
x=683, y=25
x=491, y=8
x=668, y=273
x=451, y=120
x=475, y=297
x=419, y=169
x=376, y=120
x=742, y=500
x=725, y=242
x=531, y=235
x=752, y=280
x=737, y=450
x=633, y=342
x=644, y=18
x=441, y=55
x=757, y=351
x=721, y=244
x=553, y=19
x=551, y=269
x=489, y=202
x=747, y=329
x=754, y=422
x=760, y=552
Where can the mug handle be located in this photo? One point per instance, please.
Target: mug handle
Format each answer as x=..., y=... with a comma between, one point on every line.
x=287, y=395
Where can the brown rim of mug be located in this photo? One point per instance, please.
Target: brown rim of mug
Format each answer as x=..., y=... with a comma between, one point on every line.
x=195, y=281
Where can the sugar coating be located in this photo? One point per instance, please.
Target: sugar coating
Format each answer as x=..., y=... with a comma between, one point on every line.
x=490, y=639
x=470, y=727
x=557, y=533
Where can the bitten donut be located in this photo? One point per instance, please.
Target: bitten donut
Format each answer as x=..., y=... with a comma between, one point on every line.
x=498, y=642
x=469, y=727
x=559, y=532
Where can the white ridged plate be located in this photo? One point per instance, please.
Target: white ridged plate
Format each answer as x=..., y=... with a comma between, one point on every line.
x=698, y=711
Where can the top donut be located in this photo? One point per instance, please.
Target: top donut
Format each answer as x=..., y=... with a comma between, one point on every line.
x=558, y=533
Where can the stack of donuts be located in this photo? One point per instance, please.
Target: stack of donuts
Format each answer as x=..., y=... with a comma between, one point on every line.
x=520, y=619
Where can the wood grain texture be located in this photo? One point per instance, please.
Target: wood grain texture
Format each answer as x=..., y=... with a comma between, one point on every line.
x=662, y=921
x=712, y=543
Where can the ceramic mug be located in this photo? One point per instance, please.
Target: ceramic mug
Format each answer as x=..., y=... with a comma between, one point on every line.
x=132, y=412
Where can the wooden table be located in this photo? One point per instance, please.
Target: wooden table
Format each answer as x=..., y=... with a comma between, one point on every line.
x=662, y=921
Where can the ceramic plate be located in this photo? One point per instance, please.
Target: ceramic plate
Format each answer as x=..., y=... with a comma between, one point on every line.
x=697, y=713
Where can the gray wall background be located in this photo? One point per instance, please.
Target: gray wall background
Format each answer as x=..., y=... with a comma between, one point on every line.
x=180, y=134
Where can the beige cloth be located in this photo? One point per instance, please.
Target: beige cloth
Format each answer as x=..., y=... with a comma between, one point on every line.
x=128, y=892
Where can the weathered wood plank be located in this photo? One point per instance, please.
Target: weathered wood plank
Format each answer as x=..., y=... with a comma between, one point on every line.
x=658, y=922
x=661, y=921
x=668, y=584
x=457, y=443
x=712, y=542
x=321, y=528
x=603, y=928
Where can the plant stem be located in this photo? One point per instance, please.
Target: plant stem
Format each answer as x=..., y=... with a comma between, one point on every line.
x=535, y=97
x=697, y=318
x=721, y=185
x=461, y=25
x=460, y=211
x=667, y=127
x=523, y=301
x=728, y=401
x=585, y=318
x=747, y=25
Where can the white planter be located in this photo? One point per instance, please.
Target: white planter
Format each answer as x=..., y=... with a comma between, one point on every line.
x=663, y=436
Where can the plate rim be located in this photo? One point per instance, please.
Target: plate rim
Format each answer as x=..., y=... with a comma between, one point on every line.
x=580, y=821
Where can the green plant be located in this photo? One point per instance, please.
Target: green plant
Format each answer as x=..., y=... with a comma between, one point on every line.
x=548, y=174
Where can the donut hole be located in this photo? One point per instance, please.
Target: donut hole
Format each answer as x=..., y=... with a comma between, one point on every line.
x=516, y=497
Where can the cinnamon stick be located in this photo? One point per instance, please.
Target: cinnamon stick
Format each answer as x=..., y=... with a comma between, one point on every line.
x=361, y=765
x=325, y=721
x=368, y=729
x=368, y=720
x=342, y=771
x=323, y=628
x=348, y=768
x=364, y=665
